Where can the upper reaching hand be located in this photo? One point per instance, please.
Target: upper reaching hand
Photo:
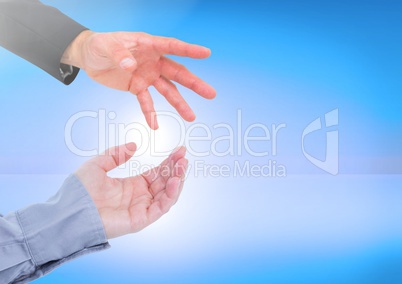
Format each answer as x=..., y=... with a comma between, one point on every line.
x=131, y=61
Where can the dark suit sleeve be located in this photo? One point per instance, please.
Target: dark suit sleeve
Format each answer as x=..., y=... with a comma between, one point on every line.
x=39, y=34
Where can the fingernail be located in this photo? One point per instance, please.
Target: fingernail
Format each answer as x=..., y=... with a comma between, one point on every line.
x=131, y=146
x=177, y=149
x=127, y=63
x=154, y=121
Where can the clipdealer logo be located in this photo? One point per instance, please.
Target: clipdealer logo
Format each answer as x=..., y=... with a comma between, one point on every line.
x=237, y=145
x=331, y=162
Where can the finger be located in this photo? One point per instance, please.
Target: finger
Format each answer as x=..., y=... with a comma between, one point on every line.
x=165, y=201
x=181, y=187
x=174, y=71
x=180, y=48
x=147, y=107
x=183, y=175
x=165, y=168
x=172, y=95
x=114, y=157
x=179, y=170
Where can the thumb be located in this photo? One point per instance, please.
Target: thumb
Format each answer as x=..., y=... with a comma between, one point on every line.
x=116, y=156
x=124, y=59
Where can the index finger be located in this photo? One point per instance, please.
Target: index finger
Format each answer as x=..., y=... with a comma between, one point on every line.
x=177, y=47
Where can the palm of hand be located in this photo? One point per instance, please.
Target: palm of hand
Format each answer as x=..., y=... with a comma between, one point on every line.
x=127, y=205
x=105, y=70
x=122, y=203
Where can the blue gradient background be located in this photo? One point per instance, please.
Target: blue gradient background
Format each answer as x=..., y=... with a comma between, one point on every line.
x=278, y=62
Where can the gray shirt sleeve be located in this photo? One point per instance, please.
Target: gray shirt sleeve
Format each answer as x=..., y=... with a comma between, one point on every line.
x=39, y=34
x=41, y=237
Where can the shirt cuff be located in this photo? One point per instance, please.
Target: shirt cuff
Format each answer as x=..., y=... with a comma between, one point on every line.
x=67, y=226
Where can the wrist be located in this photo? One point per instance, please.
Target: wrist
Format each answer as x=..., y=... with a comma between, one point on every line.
x=73, y=55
